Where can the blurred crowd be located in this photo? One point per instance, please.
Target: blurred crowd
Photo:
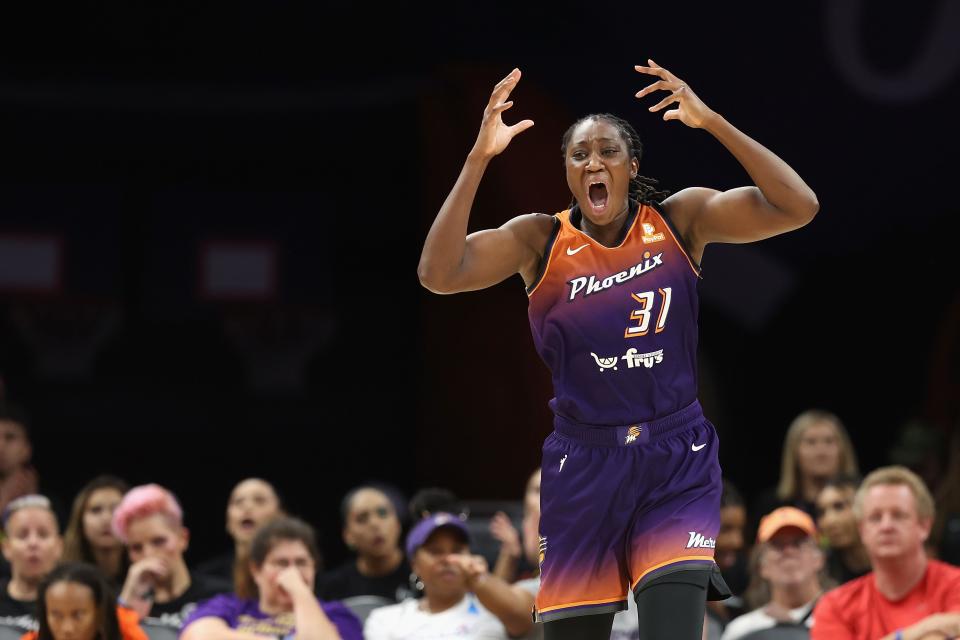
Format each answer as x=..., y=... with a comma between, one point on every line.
x=827, y=552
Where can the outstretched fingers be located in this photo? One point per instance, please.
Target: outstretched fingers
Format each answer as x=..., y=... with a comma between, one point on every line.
x=503, y=88
x=673, y=97
x=520, y=127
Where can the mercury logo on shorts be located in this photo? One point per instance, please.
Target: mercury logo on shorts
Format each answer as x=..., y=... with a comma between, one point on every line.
x=698, y=541
x=632, y=434
x=543, y=548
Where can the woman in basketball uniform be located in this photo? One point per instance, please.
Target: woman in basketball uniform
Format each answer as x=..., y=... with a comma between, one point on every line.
x=631, y=481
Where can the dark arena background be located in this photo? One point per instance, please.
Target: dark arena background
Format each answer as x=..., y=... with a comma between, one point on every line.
x=211, y=217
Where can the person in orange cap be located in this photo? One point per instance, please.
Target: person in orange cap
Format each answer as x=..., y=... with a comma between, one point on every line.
x=790, y=562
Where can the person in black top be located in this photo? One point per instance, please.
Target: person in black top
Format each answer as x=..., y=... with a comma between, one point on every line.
x=253, y=502
x=847, y=558
x=159, y=587
x=371, y=529
x=89, y=537
x=33, y=546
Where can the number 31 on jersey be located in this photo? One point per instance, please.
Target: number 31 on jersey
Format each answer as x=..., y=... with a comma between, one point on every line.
x=642, y=315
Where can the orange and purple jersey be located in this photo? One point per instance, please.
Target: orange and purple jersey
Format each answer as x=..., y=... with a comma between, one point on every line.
x=617, y=326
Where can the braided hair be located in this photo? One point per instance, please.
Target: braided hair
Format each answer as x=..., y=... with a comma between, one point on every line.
x=642, y=188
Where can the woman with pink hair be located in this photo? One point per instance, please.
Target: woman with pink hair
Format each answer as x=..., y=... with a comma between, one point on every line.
x=159, y=587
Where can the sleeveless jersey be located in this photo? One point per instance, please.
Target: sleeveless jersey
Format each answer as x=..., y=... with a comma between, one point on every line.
x=617, y=326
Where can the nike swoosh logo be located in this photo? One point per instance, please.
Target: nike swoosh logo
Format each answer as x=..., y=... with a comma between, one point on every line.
x=698, y=447
x=571, y=252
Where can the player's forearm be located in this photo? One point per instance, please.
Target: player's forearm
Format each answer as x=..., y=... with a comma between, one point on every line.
x=446, y=242
x=780, y=184
x=512, y=607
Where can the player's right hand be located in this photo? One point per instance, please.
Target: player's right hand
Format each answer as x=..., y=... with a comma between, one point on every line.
x=494, y=135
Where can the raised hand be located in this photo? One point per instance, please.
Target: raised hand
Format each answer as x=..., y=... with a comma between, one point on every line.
x=291, y=581
x=690, y=109
x=503, y=530
x=494, y=135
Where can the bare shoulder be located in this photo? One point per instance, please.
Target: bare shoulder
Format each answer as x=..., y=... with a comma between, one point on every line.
x=532, y=229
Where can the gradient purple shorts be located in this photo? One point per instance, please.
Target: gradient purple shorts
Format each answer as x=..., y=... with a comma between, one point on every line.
x=623, y=505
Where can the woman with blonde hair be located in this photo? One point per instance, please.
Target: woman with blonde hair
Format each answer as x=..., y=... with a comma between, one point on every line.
x=815, y=449
x=89, y=535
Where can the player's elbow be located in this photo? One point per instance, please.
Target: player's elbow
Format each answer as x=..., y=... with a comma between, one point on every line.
x=432, y=280
x=808, y=209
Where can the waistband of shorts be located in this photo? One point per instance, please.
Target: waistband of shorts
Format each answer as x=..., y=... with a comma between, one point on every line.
x=630, y=434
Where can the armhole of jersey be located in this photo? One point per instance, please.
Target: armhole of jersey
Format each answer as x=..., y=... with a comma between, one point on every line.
x=545, y=258
x=677, y=238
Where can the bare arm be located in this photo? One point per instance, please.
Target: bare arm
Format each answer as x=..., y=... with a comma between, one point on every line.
x=781, y=201
x=512, y=605
x=310, y=621
x=510, y=548
x=933, y=627
x=451, y=261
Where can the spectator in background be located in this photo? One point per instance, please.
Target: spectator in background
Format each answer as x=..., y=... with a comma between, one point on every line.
x=371, y=529
x=17, y=477
x=921, y=447
x=159, y=587
x=32, y=545
x=530, y=540
x=460, y=597
x=283, y=561
x=945, y=537
x=511, y=551
x=907, y=596
x=253, y=502
x=789, y=562
x=434, y=500
x=75, y=602
x=730, y=557
x=847, y=558
x=89, y=534
x=816, y=448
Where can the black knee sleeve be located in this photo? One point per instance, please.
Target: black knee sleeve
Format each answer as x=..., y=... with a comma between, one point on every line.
x=672, y=605
x=596, y=627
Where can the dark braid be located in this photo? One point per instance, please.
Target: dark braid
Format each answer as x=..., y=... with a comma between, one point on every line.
x=642, y=188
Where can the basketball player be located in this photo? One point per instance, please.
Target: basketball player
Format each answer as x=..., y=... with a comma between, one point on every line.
x=631, y=481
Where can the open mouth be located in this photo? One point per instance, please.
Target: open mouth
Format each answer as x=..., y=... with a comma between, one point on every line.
x=598, y=195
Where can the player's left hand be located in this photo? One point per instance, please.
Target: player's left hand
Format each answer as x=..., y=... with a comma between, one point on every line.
x=690, y=109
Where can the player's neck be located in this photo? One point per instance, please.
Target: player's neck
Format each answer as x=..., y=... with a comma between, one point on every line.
x=896, y=577
x=609, y=234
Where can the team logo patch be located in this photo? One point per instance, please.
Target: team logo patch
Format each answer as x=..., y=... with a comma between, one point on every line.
x=650, y=234
x=543, y=549
x=605, y=363
x=636, y=359
x=632, y=357
x=633, y=433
